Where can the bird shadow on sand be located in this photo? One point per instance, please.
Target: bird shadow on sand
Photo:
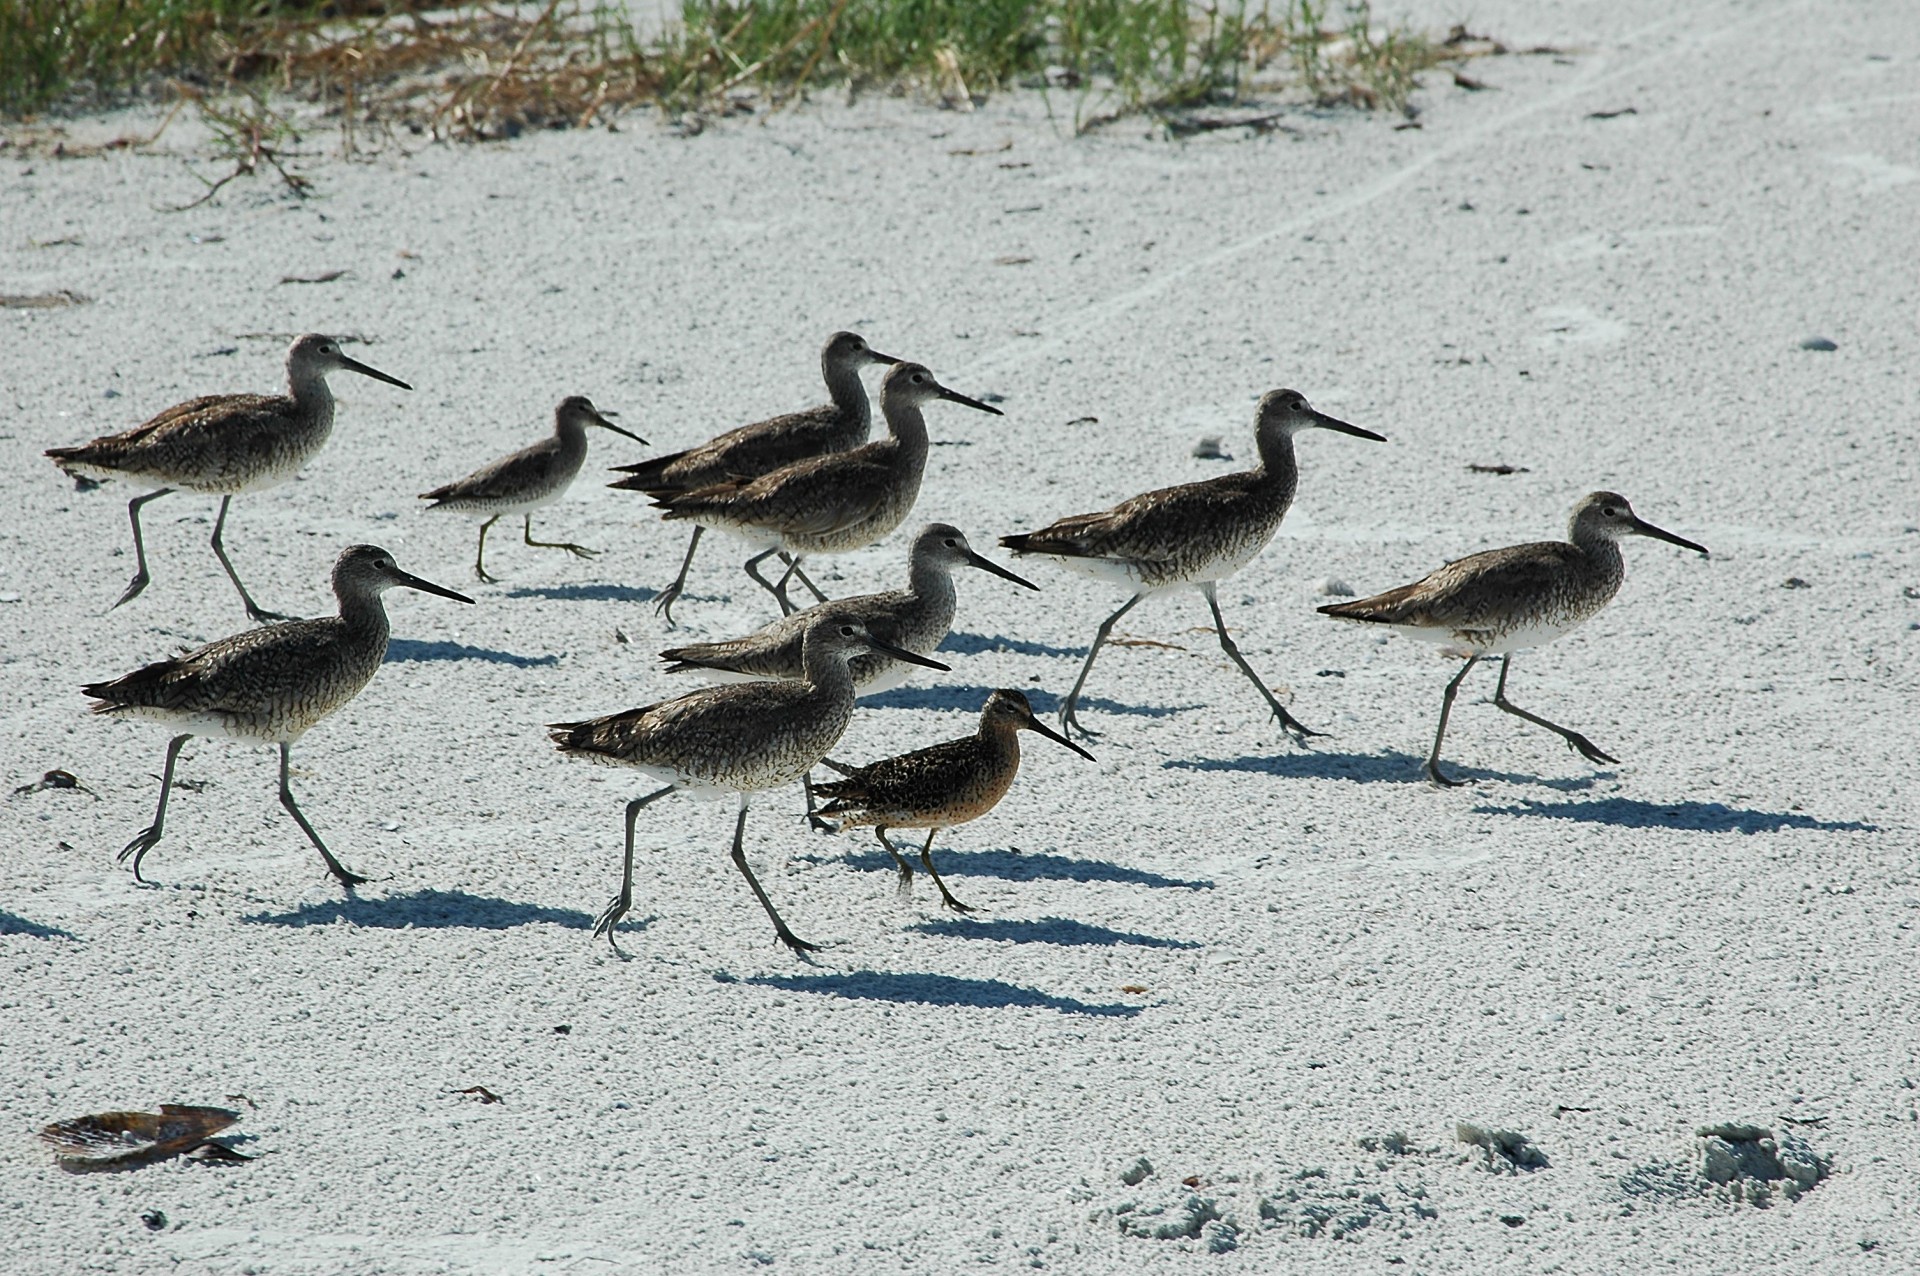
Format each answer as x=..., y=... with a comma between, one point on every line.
x=1017, y=866
x=931, y=990
x=1062, y=931
x=427, y=910
x=969, y=699
x=406, y=650
x=1367, y=768
x=587, y=593
x=977, y=644
x=1701, y=817
x=12, y=924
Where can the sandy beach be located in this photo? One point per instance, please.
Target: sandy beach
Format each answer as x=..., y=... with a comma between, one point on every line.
x=1286, y=979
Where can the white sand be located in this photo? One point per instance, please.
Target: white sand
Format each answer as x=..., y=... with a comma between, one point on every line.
x=1721, y=928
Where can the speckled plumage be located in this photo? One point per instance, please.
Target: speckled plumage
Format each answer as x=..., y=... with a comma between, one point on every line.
x=536, y=475
x=739, y=738
x=765, y=446
x=1193, y=534
x=267, y=685
x=942, y=785
x=917, y=618
x=223, y=444
x=1505, y=600
x=753, y=450
x=835, y=503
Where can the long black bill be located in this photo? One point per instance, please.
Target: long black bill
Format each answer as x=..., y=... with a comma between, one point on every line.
x=426, y=586
x=1645, y=528
x=988, y=565
x=1326, y=422
x=600, y=419
x=354, y=365
x=901, y=653
x=877, y=357
x=1034, y=724
x=954, y=396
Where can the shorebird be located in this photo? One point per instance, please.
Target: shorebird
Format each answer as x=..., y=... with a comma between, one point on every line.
x=753, y=450
x=1194, y=534
x=917, y=618
x=735, y=739
x=1500, y=601
x=223, y=444
x=267, y=685
x=829, y=504
x=536, y=475
x=938, y=787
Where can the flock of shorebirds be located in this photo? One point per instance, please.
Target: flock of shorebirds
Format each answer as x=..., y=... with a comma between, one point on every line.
x=795, y=486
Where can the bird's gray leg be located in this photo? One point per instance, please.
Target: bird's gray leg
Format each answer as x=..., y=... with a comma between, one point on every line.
x=526, y=534
x=150, y=836
x=794, y=573
x=814, y=819
x=753, y=570
x=1288, y=722
x=787, y=937
x=140, y=577
x=946, y=896
x=1573, y=738
x=480, y=559
x=1069, y=720
x=254, y=610
x=906, y=869
x=334, y=866
x=671, y=594
x=1446, y=707
x=624, y=900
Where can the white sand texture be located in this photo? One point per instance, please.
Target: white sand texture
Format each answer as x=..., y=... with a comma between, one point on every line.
x=1229, y=1004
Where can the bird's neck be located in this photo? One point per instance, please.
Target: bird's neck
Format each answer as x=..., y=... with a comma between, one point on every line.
x=828, y=672
x=848, y=394
x=572, y=435
x=1600, y=552
x=907, y=426
x=1003, y=739
x=363, y=614
x=308, y=387
x=1278, y=468
x=932, y=582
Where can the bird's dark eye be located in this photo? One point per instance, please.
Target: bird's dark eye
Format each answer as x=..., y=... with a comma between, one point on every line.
x=952, y=544
x=1610, y=512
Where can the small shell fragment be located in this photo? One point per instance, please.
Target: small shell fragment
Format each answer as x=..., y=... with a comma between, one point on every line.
x=105, y=1138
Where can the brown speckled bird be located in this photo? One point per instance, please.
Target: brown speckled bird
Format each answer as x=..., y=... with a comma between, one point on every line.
x=940, y=786
x=753, y=450
x=1194, y=534
x=1500, y=601
x=224, y=444
x=268, y=685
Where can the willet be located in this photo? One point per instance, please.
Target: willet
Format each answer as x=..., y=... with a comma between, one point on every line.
x=829, y=504
x=1194, y=534
x=223, y=444
x=267, y=685
x=917, y=618
x=1500, y=601
x=534, y=476
x=764, y=446
x=735, y=739
x=938, y=787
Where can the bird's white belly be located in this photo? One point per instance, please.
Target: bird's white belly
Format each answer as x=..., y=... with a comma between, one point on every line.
x=1487, y=642
x=217, y=726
